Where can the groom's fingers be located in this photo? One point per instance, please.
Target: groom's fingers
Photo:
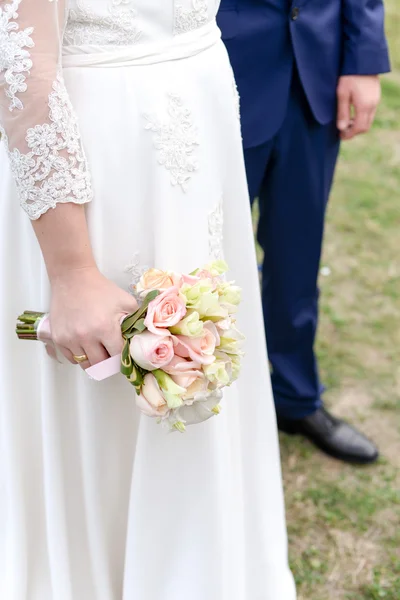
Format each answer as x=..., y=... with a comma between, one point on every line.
x=371, y=117
x=358, y=99
x=362, y=120
x=344, y=106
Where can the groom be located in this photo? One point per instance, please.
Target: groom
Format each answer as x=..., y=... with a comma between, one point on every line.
x=307, y=73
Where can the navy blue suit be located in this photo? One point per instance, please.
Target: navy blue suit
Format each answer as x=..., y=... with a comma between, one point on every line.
x=287, y=58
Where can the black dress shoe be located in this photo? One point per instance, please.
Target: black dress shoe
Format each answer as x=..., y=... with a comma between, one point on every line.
x=333, y=436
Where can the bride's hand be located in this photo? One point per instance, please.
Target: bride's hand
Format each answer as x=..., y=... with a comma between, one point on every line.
x=85, y=315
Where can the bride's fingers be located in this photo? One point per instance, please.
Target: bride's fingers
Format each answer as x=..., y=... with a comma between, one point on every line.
x=51, y=350
x=114, y=342
x=68, y=354
x=78, y=356
x=96, y=353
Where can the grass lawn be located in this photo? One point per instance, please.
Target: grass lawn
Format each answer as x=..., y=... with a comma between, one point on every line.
x=344, y=522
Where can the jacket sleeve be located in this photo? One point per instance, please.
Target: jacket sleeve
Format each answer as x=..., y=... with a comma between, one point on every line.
x=37, y=120
x=365, y=49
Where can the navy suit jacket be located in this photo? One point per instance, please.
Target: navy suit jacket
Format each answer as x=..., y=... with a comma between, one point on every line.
x=326, y=38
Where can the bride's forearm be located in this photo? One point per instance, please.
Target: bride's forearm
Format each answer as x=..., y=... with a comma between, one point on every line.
x=64, y=239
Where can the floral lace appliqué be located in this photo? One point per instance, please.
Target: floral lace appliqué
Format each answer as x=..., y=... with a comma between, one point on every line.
x=55, y=169
x=216, y=232
x=135, y=270
x=236, y=97
x=187, y=19
x=118, y=27
x=15, y=59
x=176, y=141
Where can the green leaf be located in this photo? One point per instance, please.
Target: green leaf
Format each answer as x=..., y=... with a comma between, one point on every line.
x=136, y=378
x=129, y=336
x=180, y=426
x=151, y=296
x=126, y=370
x=140, y=326
x=126, y=360
x=131, y=320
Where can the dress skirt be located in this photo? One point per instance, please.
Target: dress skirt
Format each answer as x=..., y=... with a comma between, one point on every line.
x=96, y=501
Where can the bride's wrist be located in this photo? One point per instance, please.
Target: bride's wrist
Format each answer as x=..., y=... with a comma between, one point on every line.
x=65, y=274
x=64, y=240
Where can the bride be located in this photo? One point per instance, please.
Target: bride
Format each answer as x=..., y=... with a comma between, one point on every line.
x=121, y=141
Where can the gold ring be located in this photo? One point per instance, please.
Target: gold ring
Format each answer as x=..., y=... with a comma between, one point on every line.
x=80, y=359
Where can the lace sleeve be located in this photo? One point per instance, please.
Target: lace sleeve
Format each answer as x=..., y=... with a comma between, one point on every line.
x=37, y=120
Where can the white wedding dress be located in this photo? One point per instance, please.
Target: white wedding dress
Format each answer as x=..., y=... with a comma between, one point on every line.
x=97, y=502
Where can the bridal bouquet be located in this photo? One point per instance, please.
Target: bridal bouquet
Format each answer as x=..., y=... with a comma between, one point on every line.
x=181, y=347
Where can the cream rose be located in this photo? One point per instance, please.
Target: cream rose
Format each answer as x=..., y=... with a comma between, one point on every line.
x=151, y=400
x=230, y=295
x=154, y=279
x=236, y=365
x=197, y=390
x=217, y=268
x=231, y=341
x=190, y=326
x=172, y=392
x=219, y=372
x=202, y=298
x=194, y=292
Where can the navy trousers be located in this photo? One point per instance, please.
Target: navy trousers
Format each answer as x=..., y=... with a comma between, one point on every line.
x=292, y=174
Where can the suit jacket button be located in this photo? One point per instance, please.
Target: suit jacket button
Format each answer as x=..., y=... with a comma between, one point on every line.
x=295, y=13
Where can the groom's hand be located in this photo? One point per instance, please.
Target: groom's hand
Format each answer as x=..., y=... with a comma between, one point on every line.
x=358, y=98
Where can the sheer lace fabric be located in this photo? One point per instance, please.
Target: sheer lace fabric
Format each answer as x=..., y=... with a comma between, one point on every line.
x=37, y=120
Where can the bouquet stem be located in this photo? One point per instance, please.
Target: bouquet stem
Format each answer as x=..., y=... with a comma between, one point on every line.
x=27, y=325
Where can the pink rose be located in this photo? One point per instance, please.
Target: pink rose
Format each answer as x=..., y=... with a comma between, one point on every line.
x=201, y=349
x=183, y=372
x=151, y=400
x=204, y=274
x=177, y=279
x=224, y=325
x=188, y=374
x=165, y=311
x=151, y=351
x=190, y=279
x=212, y=336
